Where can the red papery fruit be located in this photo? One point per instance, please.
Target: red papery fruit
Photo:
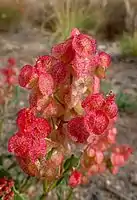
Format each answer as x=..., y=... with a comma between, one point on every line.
x=19, y=145
x=84, y=45
x=89, y=121
x=82, y=67
x=46, y=84
x=26, y=76
x=6, y=186
x=110, y=107
x=77, y=130
x=70, y=124
x=9, y=74
x=120, y=154
x=11, y=61
x=104, y=59
x=101, y=122
x=59, y=73
x=25, y=119
x=75, y=32
x=44, y=64
x=64, y=51
x=75, y=178
x=93, y=102
x=27, y=146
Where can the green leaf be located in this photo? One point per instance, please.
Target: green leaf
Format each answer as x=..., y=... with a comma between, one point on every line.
x=3, y=173
x=18, y=196
x=126, y=103
x=71, y=162
x=50, y=154
x=1, y=126
x=63, y=180
x=17, y=93
x=69, y=197
x=1, y=160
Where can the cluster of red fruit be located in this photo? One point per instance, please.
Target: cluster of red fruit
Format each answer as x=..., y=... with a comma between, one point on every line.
x=6, y=186
x=67, y=114
x=8, y=78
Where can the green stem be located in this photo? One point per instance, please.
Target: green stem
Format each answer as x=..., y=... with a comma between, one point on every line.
x=69, y=194
x=58, y=100
x=24, y=184
x=43, y=197
x=45, y=187
x=12, y=165
x=53, y=124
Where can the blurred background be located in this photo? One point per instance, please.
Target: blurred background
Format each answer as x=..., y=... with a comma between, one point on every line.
x=28, y=28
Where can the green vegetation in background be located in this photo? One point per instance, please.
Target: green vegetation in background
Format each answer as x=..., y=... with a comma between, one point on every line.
x=10, y=17
x=128, y=45
x=70, y=14
x=125, y=102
